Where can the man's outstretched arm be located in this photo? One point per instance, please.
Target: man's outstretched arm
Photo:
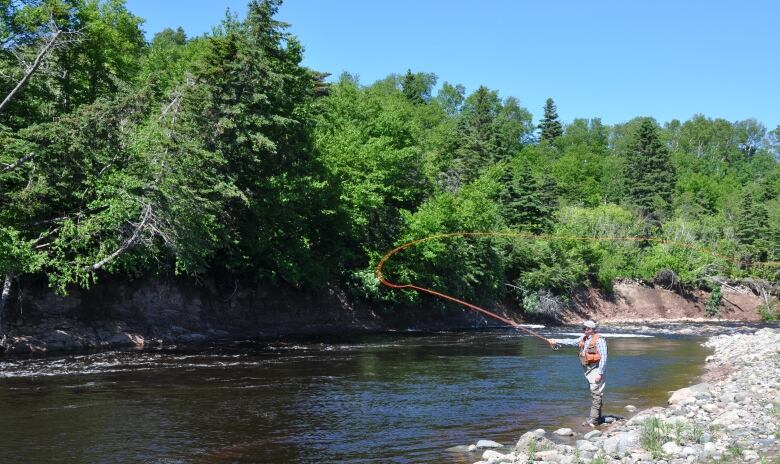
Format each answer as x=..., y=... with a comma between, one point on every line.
x=567, y=342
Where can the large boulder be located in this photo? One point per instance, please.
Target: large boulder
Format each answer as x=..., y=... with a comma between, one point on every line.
x=688, y=393
x=524, y=443
x=25, y=345
x=620, y=444
x=727, y=418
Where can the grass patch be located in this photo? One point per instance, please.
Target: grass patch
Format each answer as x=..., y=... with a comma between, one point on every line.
x=531, y=451
x=734, y=450
x=770, y=311
x=695, y=433
x=655, y=432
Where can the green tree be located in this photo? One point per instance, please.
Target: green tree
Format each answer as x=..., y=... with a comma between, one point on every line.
x=550, y=127
x=451, y=97
x=260, y=115
x=649, y=172
x=514, y=127
x=417, y=87
x=752, y=222
x=371, y=142
x=523, y=199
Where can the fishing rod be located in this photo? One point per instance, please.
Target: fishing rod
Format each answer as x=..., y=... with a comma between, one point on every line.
x=510, y=322
x=418, y=288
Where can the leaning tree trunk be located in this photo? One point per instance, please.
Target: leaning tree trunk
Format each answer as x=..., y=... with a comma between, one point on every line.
x=31, y=69
x=3, y=298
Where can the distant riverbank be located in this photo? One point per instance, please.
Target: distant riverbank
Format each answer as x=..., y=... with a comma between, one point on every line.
x=155, y=312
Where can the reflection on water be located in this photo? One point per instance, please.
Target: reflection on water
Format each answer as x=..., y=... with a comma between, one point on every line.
x=388, y=398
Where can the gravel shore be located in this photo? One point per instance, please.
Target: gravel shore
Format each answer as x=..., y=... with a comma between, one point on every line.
x=732, y=416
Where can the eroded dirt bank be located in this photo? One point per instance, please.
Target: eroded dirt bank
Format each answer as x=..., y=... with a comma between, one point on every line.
x=155, y=311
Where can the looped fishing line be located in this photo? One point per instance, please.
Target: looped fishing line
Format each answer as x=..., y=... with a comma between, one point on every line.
x=510, y=322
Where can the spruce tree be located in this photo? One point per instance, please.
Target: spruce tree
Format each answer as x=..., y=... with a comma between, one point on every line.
x=650, y=174
x=417, y=87
x=752, y=222
x=523, y=200
x=410, y=88
x=477, y=135
x=550, y=126
x=260, y=109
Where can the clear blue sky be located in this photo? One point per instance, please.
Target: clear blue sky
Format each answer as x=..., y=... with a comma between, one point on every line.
x=613, y=59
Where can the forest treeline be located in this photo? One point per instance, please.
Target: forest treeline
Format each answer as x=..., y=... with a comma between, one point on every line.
x=223, y=155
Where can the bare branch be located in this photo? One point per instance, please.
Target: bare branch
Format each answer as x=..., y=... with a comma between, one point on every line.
x=174, y=104
x=31, y=69
x=127, y=244
x=17, y=163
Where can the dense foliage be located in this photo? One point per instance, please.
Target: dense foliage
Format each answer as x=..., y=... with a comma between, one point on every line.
x=222, y=154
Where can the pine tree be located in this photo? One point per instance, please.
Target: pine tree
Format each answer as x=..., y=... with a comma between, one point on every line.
x=417, y=87
x=752, y=222
x=650, y=174
x=524, y=200
x=477, y=135
x=411, y=89
x=550, y=126
x=261, y=114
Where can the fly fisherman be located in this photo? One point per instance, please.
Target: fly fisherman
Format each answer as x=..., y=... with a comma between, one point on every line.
x=593, y=356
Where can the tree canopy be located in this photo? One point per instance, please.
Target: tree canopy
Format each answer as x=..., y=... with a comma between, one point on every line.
x=223, y=155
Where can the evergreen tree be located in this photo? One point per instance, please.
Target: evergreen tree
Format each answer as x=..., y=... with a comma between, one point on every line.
x=649, y=171
x=260, y=116
x=550, y=126
x=523, y=200
x=417, y=87
x=752, y=223
x=478, y=142
x=548, y=196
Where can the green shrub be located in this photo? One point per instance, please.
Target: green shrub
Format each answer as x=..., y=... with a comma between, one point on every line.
x=713, y=303
x=770, y=311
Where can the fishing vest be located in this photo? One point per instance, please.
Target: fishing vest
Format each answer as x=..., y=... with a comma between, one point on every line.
x=589, y=354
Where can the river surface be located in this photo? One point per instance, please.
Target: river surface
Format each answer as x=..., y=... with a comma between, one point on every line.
x=382, y=398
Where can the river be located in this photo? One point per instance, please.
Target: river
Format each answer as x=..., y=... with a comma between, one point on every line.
x=379, y=398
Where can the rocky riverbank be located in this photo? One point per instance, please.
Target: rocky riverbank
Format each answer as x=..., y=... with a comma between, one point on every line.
x=732, y=416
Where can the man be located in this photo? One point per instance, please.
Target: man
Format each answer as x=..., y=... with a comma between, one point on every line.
x=593, y=356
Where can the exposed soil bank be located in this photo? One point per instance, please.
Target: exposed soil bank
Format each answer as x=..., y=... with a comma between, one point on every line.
x=154, y=311
x=633, y=301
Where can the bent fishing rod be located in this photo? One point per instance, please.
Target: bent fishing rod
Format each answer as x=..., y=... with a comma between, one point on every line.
x=471, y=306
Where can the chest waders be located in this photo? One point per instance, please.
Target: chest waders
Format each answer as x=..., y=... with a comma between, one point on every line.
x=589, y=358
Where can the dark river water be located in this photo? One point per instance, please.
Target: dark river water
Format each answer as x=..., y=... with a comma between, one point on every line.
x=384, y=398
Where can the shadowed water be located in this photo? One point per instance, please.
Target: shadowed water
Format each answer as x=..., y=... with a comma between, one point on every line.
x=386, y=398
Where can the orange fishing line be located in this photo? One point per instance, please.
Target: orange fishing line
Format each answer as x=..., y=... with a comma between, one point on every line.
x=510, y=322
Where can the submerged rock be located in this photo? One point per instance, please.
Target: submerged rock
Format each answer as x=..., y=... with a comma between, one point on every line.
x=492, y=455
x=488, y=444
x=460, y=449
